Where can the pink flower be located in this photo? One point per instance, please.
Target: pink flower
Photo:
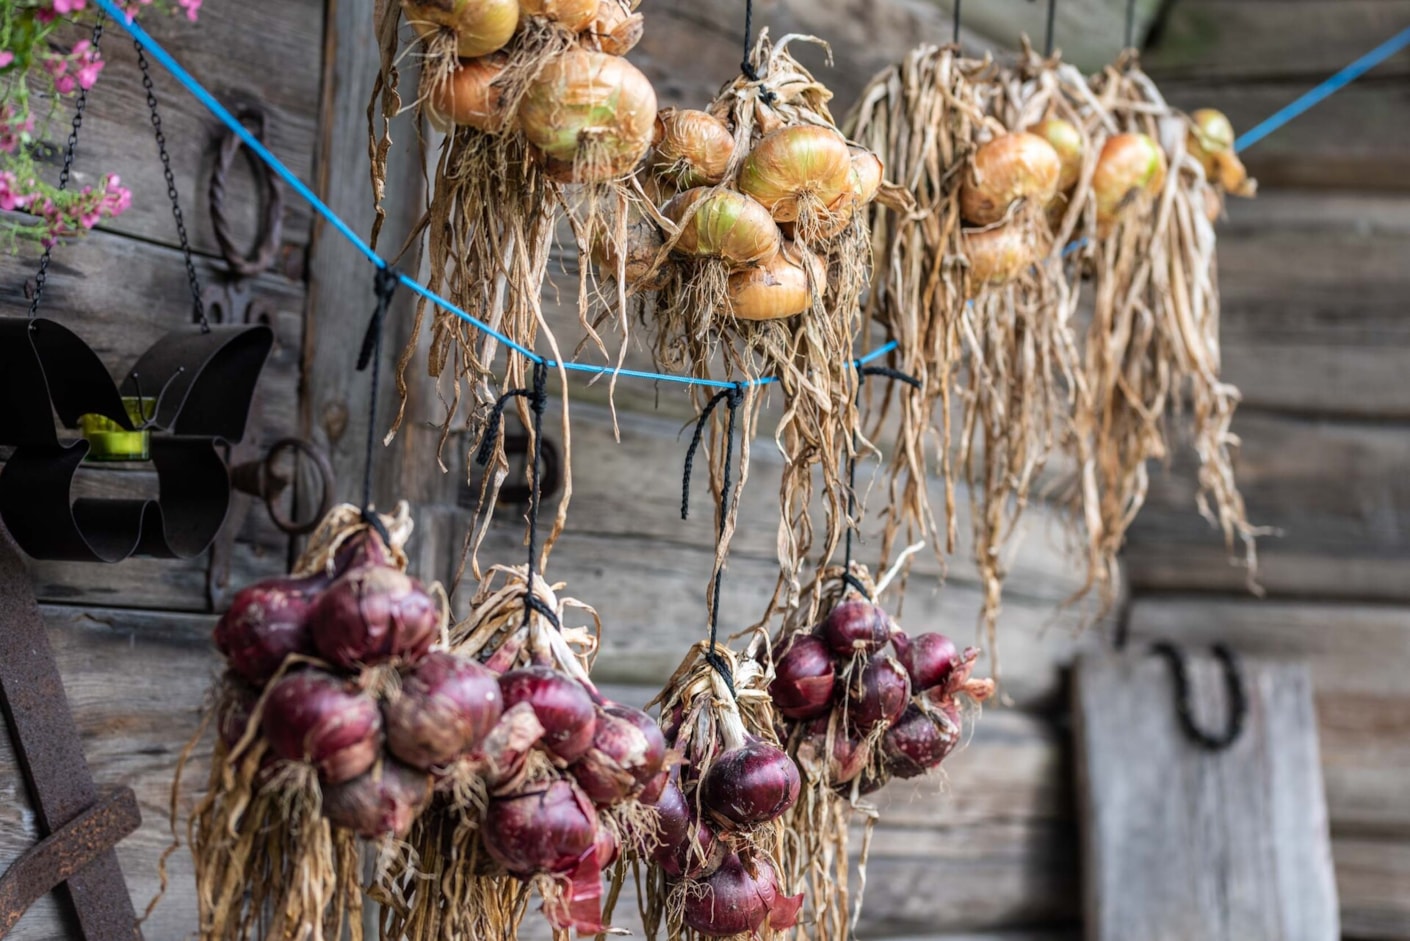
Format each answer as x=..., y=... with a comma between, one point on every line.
x=12, y=131
x=6, y=57
x=117, y=198
x=12, y=195
x=191, y=7
x=65, y=7
x=89, y=63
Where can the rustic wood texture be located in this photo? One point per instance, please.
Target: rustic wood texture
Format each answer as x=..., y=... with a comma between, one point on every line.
x=1335, y=491
x=1180, y=843
x=275, y=66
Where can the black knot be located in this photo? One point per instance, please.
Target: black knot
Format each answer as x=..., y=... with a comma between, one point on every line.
x=890, y=373
x=734, y=395
x=533, y=602
x=384, y=285
x=370, y=517
x=721, y=666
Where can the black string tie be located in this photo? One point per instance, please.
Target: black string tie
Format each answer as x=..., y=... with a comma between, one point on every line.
x=538, y=401
x=862, y=372
x=732, y=397
x=1048, y=34
x=1233, y=683
x=1130, y=23
x=746, y=66
x=385, y=286
x=957, y=23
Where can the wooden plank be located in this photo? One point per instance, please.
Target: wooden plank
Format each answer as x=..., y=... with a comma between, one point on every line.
x=272, y=67
x=1250, y=40
x=1313, y=289
x=1373, y=877
x=1181, y=843
x=1336, y=491
x=121, y=295
x=1354, y=140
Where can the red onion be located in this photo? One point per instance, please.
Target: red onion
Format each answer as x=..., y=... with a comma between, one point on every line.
x=929, y=659
x=736, y=901
x=328, y=722
x=266, y=622
x=448, y=704
x=686, y=846
x=373, y=614
x=878, y=694
x=848, y=758
x=383, y=802
x=606, y=847
x=504, y=749
x=751, y=784
x=546, y=829
x=803, y=679
x=652, y=790
x=855, y=627
x=561, y=704
x=232, y=715
x=918, y=742
x=363, y=548
x=623, y=755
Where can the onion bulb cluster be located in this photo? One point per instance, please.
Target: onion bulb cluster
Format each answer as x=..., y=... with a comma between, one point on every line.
x=550, y=70
x=718, y=811
x=1010, y=182
x=304, y=654
x=861, y=702
x=1210, y=139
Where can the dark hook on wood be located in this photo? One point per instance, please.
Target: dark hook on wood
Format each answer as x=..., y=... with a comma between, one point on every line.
x=261, y=257
x=263, y=479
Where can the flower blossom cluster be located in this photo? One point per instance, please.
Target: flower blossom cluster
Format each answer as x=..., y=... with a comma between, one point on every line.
x=65, y=214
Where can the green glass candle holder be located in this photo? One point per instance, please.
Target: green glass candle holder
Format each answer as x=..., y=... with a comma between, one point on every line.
x=109, y=441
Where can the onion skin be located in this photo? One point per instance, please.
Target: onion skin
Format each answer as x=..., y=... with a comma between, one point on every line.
x=480, y=26
x=734, y=901
x=574, y=15
x=644, y=243
x=623, y=756
x=447, y=706
x=776, y=289
x=750, y=785
x=592, y=111
x=654, y=789
x=725, y=224
x=997, y=256
x=855, y=627
x=267, y=622
x=867, y=173
x=383, y=802
x=371, y=615
x=1006, y=169
x=1210, y=133
x=878, y=694
x=1130, y=170
x=796, y=165
x=561, y=704
x=546, y=829
x=691, y=148
x=616, y=29
x=918, y=742
x=846, y=760
x=686, y=847
x=469, y=96
x=804, y=677
x=315, y=717
x=504, y=749
x=1066, y=141
x=929, y=658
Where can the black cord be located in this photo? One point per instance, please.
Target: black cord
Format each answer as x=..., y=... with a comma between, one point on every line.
x=862, y=373
x=1234, y=684
x=198, y=306
x=746, y=66
x=732, y=398
x=956, y=38
x=1048, y=35
x=1130, y=23
x=69, y=151
x=385, y=285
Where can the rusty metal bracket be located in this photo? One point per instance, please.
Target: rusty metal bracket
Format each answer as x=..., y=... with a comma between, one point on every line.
x=61, y=790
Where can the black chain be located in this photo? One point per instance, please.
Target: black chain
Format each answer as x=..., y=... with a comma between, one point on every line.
x=198, y=306
x=69, y=151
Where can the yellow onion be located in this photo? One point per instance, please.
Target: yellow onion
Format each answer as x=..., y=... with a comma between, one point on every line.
x=692, y=148
x=725, y=224
x=1131, y=167
x=1006, y=169
x=1066, y=140
x=776, y=289
x=615, y=29
x=575, y=15
x=480, y=26
x=796, y=165
x=643, y=244
x=1211, y=141
x=469, y=96
x=592, y=111
x=997, y=255
x=866, y=175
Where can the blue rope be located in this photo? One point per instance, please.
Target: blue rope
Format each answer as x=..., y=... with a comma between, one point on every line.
x=1325, y=90
x=1318, y=94
x=136, y=31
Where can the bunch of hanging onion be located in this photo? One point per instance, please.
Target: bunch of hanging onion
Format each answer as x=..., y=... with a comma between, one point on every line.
x=588, y=112
x=855, y=713
x=1011, y=180
x=1129, y=176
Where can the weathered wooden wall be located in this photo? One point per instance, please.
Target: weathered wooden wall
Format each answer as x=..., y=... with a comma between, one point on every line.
x=1314, y=281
